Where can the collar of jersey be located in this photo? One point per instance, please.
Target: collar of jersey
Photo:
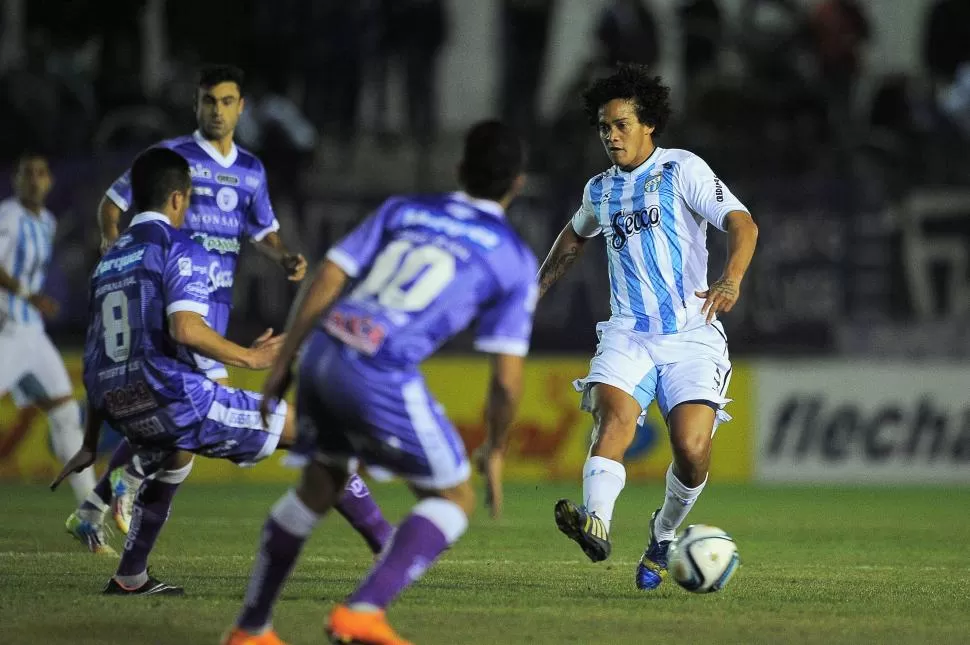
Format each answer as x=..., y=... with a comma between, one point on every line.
x=225, y=161
x=487, y=205
x=644, y=167
x=150, y=216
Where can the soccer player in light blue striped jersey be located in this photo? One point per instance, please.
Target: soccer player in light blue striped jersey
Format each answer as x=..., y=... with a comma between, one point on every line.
x=31, y=366
x=663, y=340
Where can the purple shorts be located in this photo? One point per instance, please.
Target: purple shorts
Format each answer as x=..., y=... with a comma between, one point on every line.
x=231, y=428
x=348, y=409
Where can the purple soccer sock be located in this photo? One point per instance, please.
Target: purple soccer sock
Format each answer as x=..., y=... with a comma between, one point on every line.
x=152, y=507
x=433, y=526
x=122, y=455
x=359, y=508
x=286, y=530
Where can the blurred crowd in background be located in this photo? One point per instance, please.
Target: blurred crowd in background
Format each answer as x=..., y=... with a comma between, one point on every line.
x=860, y=195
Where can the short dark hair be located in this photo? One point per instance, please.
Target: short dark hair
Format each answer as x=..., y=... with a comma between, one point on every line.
x=212, y=75
x=156, y=174
x=492, y=159
x=29, y=155
x=636, y=83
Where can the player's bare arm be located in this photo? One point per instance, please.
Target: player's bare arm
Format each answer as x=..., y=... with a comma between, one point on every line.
x=742, y=239
x=564, y=252
x=108, y=217
x=310, y=304
x=294, y=264
x=190, y=329
x=504, y=394
x=88, y=453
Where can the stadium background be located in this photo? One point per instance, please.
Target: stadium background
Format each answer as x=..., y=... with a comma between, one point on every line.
x=845, y=137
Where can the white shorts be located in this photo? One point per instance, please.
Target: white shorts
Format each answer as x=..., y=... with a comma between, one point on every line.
x=31, y=368
x=673, y=368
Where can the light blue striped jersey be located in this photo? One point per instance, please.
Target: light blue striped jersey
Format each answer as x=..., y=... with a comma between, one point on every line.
x=654, y=219
x=26, y=242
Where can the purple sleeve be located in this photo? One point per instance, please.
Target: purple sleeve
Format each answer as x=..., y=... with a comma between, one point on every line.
x=260, y=218
x=120, y=191
x=506, y=326
x=185, y=279
x=357, y=249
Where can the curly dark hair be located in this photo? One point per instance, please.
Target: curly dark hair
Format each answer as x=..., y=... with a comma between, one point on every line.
x=634, y=82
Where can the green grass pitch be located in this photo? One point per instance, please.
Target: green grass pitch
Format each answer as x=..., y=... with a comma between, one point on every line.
x=824, y=565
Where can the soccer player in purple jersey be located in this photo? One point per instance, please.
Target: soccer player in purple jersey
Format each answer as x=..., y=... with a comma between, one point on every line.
x=420, y=269
x=149, y=298
x=229, y=203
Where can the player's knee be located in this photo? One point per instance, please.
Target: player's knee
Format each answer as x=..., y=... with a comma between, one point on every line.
x=462, y=495
x=692, y=452
x=321, y=486
x=175, y=475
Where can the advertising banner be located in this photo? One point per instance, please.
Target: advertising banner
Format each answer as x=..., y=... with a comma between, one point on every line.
x=550, y=439
x=876, y=422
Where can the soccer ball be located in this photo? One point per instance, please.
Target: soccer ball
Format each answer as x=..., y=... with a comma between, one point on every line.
x=702, y=559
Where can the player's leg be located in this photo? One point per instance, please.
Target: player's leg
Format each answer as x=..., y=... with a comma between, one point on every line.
x=437, y=470
x=119, y=481
x=691, y=396
x=621, y=383
x=153, y=504
x=356, y=504
x=327, y=461
x=47, y=384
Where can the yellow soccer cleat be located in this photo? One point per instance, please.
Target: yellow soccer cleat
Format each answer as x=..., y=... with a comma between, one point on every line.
x=91, y=535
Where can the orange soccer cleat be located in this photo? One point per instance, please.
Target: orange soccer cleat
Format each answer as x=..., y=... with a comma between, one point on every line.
x=237, y=636
x=347, y=626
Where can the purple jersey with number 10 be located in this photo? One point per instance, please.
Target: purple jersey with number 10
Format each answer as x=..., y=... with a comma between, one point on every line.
x=425, y=268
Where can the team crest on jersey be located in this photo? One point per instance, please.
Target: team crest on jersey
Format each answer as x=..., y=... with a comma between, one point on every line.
x=227, y=199
x=653, y=184
x=627, y=224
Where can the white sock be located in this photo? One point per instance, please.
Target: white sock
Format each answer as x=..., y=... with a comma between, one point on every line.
x=603, y=479
x=66, y=439
x=677, y=504
x=447, y=516
x=293, y=515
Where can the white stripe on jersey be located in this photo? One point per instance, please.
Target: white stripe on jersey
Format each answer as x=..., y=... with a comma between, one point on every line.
x=654, y=220
x=26, y=242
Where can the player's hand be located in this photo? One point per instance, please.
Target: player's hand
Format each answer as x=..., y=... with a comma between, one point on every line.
x=106, y=243
x=76, y=464
x=490, y=462
x=46, y=305
x=274, y=389
x=295, y=266
x=264, y=350
x=721, y=296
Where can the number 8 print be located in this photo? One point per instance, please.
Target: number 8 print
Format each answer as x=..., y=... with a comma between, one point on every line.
x=117, y=330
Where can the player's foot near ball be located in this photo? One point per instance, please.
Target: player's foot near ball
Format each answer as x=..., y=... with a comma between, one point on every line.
x=90, y=534
x=584, y=528
x=653, y=565
x=239, y=636
x=152, y=587
x=123, y=490
x=346, y=626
